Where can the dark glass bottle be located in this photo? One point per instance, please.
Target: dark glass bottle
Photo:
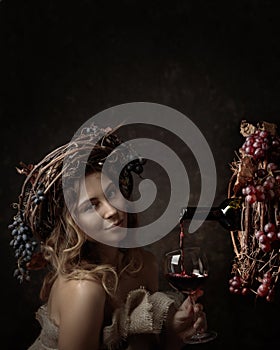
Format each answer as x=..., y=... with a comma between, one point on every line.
x=228, y=213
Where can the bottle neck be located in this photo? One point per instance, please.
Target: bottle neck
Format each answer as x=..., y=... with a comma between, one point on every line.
x=228, y=214
x=213, y=213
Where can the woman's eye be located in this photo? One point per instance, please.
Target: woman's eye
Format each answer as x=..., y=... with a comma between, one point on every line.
x=111, y=194
x=89, y=207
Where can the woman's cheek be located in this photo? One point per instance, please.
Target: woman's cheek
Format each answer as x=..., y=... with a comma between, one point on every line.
x=90, y=222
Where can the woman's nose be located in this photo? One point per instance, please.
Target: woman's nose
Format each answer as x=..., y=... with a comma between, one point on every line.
x=108, y=210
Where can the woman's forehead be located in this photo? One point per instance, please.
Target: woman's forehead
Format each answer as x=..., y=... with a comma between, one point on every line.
x=91, y=185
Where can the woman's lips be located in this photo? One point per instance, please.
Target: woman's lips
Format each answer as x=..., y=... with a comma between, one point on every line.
x=115, y=225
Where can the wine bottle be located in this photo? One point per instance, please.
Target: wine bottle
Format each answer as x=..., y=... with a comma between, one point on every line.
x=228, y=213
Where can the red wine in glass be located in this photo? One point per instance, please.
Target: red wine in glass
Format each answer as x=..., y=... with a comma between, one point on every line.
x=186, y=283
x=186, y=270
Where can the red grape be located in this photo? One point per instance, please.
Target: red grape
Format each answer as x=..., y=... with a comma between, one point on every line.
x=258, y=234
x=271, y=179
x=259, y=153
x=268, y=185
x=269, y=227
x=266, y=280
x=259, y=189
x=236, y=284
x=251, y=198
x=251, y=189
x=263, y=239
x=271, y=295
x=257, y=144
x=250, y=150
x=263, y=134
x=265, y=247
x=261, y=197
x=245, y=291
x=271, y=236
x=262, y=290
x=272, y=167
x=249, y=140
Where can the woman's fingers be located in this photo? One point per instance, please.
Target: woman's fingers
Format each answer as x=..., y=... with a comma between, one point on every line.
x=198, y=308
x=198, y=293
x=190, y=317
x=187, y=304
x=200, y=324
x=188, y=333
x=185, y=314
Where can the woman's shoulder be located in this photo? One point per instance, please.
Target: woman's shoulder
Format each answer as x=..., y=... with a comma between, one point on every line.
x=75, y=294
x=79, y=288
x=77, y=308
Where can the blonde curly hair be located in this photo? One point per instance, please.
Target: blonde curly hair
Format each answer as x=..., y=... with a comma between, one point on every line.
x=43, y=216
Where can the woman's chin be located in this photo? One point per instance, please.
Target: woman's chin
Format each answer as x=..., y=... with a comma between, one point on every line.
x=113, y=237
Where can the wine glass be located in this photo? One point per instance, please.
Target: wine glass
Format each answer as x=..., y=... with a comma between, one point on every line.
x=186, y=270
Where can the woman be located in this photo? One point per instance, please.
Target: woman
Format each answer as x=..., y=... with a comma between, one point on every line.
x=95, y=294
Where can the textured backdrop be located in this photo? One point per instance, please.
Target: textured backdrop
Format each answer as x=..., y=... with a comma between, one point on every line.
x=64, y=61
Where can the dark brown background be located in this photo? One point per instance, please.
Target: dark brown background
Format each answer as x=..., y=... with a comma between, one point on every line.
x=62, y=62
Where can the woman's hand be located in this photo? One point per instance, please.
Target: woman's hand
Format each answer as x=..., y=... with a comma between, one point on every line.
x=184, y=322
x=189, y=318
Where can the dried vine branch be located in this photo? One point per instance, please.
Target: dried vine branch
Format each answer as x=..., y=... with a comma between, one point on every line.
x=256, y=179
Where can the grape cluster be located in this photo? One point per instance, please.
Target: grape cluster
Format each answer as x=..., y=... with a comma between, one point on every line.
x=38, y=197
x=258, y=144
x=268, y=237
x=24, y=246
x=258, y=185
x=266, y=185
x=136, y=165
x=238, y=286
x=266, y=288
x=275, y=149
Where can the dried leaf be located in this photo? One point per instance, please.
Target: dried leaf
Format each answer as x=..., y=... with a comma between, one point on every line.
x=26, y=169
x=246, y=129
x=245, y=173
x=270, y=127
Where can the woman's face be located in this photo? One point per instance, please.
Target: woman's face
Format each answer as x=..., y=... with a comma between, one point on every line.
x=96, y=211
